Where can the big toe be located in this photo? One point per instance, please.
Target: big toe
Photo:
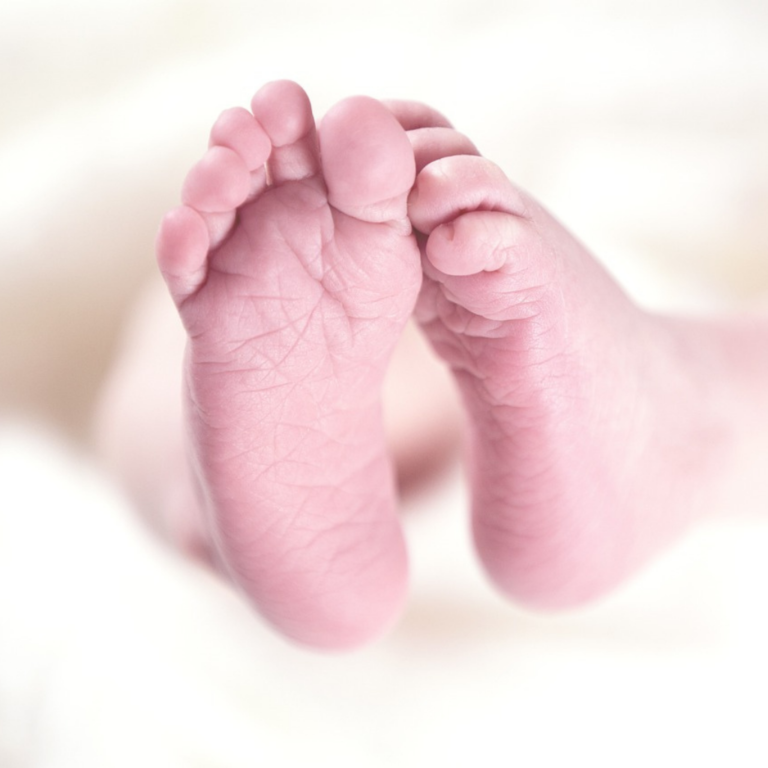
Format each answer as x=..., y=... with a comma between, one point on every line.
x=368, y=161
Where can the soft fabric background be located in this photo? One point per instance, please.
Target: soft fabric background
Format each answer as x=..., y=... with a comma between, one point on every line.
x=642, y=125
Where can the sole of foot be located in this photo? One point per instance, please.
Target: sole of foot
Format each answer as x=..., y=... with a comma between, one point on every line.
x=574, y=483
x=294, y=270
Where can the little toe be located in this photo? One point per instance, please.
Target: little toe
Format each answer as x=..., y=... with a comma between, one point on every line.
x=368, y=161
x=182, y=246
x=284, y=111
x=451, y=186
x=219, y=182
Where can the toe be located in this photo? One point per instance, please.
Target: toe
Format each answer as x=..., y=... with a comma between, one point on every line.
x=237, y=129
x=431, y=144
x=182, y=247
x=217, y=183
x=283, y=109
x=413, y=115
x=368, y=161
x=453, y=185
x=481, y=241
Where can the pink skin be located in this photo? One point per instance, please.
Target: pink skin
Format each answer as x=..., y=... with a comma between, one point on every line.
x=293, y=305
x=553, y=363
x=598, y=432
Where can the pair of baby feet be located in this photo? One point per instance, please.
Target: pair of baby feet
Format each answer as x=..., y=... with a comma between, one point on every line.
x=295, y=266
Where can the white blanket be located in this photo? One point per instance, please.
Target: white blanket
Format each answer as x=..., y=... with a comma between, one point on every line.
x=643, y=129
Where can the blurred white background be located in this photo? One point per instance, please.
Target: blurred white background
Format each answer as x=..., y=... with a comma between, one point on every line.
x=642, y=125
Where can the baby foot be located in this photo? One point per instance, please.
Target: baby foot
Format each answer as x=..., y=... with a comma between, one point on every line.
x=583, y=449
x=294, y=271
